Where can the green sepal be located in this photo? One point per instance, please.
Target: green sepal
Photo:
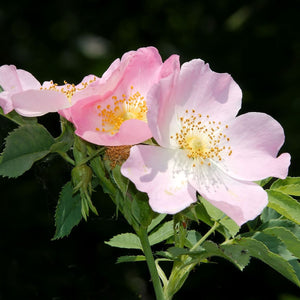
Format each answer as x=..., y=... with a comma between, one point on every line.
x=121, y=181
x=68, y=212
x=82, y=183
x=24, y=146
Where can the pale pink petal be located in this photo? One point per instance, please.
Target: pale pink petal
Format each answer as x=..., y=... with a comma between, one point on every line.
x=34, y=103
x=14, y=81
x=198, y=88
x=161, y=110
x=5, y=102
x=240, y=200
x=255, y=139
x=131, y=132
x=9, y=79
x=27, y=81
x=141, y=71
x=153, y=170
x=211, y=93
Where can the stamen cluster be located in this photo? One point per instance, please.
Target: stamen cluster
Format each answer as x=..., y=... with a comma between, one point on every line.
x=202, y=138
x=122, y=109
x=69, y=89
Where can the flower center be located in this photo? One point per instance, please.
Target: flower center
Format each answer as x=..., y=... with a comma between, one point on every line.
x=201, y=138
x=123, y=108
x=68, y=89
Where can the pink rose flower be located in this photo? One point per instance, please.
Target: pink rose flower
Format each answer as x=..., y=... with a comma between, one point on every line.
x=14, y=81
x=115, y=113
x=24, y=94
x=205, y=147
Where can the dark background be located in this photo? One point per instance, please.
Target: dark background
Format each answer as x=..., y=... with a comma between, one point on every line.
x=255, y=41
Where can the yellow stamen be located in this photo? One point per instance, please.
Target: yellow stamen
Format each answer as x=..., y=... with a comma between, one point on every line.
x=69, y=89
x=122, y=109
x=201, y=139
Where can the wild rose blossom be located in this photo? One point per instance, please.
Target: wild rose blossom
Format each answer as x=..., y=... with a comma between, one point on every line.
x=116, y=113
x=14, y=81
x=24, y=94
x=204, y=147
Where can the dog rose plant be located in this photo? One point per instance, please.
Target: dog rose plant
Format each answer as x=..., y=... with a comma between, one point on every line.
x=166, y=144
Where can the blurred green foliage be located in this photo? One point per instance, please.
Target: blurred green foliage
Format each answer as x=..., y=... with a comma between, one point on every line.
x=257, y=42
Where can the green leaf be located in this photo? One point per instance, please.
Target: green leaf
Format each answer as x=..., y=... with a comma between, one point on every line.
x=130, y=258
x=237, y=254
x=24, y=146
x=68, y=212
x=156, y=221
x=274, y=244
x=192, y=238
x=285, y=205
x=269, y=214
x=18, y=119
x=125, y=240
x=287, y=237
x=290, y=186
x=260, y=251
x=162, y=233
x=289, y=225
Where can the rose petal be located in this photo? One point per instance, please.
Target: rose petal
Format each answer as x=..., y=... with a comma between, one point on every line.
x=153, y=170
x=27, y=80
x=196, y=88
x=255, y=139
x=32, y=103
x=131, y=132
x=5, y=102
x=240, y=200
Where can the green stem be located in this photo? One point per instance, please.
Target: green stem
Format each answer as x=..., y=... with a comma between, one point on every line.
x=208, y=233
x=151, y=263
x=66, y=157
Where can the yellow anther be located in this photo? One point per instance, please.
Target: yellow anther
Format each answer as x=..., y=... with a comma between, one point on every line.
x=201, y=143
x=122, y=109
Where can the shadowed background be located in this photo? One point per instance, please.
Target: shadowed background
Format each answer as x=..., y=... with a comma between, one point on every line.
x=257, y=42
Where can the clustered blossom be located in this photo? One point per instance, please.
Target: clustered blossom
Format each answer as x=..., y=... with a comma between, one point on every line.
x=201, y=145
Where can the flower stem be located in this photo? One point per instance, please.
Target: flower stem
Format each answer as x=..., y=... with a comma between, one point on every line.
x=66, y=157
x=208, y=233
x=151, y=263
